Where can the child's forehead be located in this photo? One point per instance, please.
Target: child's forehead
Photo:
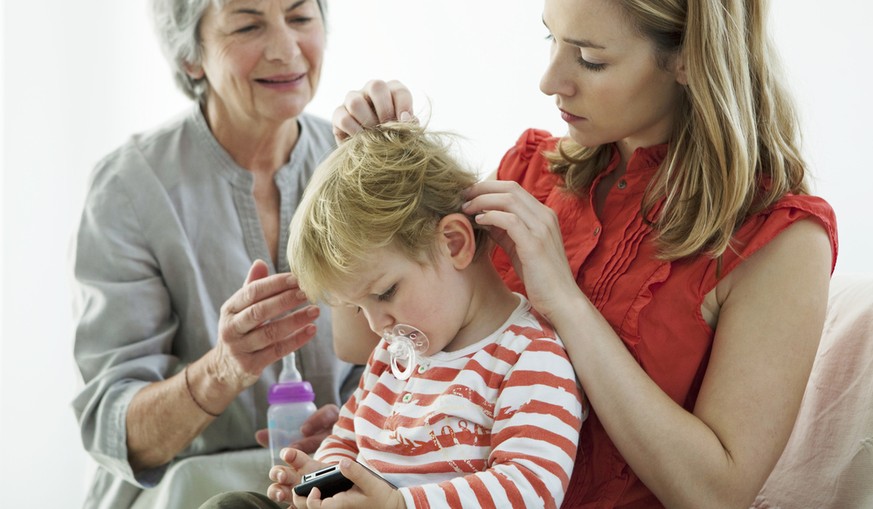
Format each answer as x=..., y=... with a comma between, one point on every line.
x=369, y=272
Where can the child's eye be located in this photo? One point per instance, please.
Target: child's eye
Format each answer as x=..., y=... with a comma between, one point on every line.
x=388, y=294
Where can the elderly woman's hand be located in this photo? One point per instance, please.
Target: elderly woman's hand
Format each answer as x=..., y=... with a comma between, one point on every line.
x=376, y=103
x=256, y=327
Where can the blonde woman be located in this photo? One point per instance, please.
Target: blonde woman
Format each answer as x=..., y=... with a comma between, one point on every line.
x=669, y=238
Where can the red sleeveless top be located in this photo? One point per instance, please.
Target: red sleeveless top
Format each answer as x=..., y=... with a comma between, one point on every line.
x=653, y=305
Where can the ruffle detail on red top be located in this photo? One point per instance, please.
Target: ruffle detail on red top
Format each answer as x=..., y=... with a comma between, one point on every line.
x=761, y=228
x=649, y=157
x=524, y=163
x=627, y=239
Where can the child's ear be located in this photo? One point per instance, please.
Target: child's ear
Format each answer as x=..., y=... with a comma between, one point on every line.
x=456, y=234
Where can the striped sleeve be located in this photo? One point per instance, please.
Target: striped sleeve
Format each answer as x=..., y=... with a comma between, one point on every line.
x=536, y=430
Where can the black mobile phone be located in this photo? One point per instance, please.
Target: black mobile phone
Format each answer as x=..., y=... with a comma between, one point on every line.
x=329, y=481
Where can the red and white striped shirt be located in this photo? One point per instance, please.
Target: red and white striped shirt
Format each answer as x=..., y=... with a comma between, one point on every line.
x=495, y=424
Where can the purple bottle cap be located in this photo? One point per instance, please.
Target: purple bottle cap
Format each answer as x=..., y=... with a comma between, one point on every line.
x=291, y=392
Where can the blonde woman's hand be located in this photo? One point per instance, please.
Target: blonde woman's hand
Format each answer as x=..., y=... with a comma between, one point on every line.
x=257, y=326
x=529, y=233
x=376, y=103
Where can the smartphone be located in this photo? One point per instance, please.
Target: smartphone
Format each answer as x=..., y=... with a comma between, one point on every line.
x=328, y=480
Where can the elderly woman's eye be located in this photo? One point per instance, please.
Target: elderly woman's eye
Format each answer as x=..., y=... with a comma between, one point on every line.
x=245, y=29
x=299, y=20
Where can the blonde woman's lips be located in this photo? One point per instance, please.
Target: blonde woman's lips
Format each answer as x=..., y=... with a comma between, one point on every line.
x=569, y=117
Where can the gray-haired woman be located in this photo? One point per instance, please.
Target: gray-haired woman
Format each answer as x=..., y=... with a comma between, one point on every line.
x=176, y=358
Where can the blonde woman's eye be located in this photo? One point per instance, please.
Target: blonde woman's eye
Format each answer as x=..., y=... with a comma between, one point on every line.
x=591, y=66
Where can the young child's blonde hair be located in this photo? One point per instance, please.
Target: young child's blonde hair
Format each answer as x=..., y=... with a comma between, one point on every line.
x=387, y=186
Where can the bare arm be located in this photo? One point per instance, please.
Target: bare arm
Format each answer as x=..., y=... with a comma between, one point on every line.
x=770, y=323
x=164, y=417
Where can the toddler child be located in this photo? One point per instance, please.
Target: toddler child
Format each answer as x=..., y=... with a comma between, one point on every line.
x=469, y=399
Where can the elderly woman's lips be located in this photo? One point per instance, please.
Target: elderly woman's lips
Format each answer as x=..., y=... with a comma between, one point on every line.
x=283, y=78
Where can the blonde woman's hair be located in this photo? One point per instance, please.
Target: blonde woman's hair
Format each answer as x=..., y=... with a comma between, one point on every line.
x=387, y=186
x=734, y=149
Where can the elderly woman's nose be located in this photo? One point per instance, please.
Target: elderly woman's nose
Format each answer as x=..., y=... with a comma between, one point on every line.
x=282, y=44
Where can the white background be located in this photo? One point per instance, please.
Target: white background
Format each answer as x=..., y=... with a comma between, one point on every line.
x=79, y=77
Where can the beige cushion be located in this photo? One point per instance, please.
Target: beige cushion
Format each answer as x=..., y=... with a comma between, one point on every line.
x=828, y=462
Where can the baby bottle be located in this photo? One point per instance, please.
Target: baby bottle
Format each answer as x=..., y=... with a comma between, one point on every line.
x=291, y=402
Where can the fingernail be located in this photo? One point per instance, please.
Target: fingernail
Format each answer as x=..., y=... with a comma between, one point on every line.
x=405, y=116
x=313, y=311
x=280, y=476
x=465, y=205
x=301, y=295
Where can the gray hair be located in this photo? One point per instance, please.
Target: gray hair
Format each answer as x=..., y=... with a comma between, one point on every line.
x=177, y=23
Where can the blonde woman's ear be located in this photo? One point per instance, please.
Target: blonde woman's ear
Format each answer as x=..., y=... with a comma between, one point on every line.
x=680, y=69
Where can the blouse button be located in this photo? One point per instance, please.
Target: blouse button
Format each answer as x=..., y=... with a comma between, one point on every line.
x=622, y=184
x=407, y=397
x=596, y=231
x=421, y=369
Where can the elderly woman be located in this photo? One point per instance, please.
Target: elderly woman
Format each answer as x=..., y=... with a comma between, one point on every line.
x=176, y=357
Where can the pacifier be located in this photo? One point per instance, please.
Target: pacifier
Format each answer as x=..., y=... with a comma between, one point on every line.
x=405, y=344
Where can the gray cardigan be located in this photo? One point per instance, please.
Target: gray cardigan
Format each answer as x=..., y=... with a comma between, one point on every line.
x=168, y=232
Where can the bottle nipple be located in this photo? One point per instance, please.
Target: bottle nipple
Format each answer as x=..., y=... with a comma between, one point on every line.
x=289, y=371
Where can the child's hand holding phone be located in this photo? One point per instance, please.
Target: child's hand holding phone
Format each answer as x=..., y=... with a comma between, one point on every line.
x=286, y=477
x=348, y=482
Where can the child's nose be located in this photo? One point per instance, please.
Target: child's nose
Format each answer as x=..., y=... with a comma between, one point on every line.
x=380, y=321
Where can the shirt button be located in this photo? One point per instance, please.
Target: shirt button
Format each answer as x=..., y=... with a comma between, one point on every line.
x=622, y=184
x=421, y=369
x=407, y=397
x=596, y=231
